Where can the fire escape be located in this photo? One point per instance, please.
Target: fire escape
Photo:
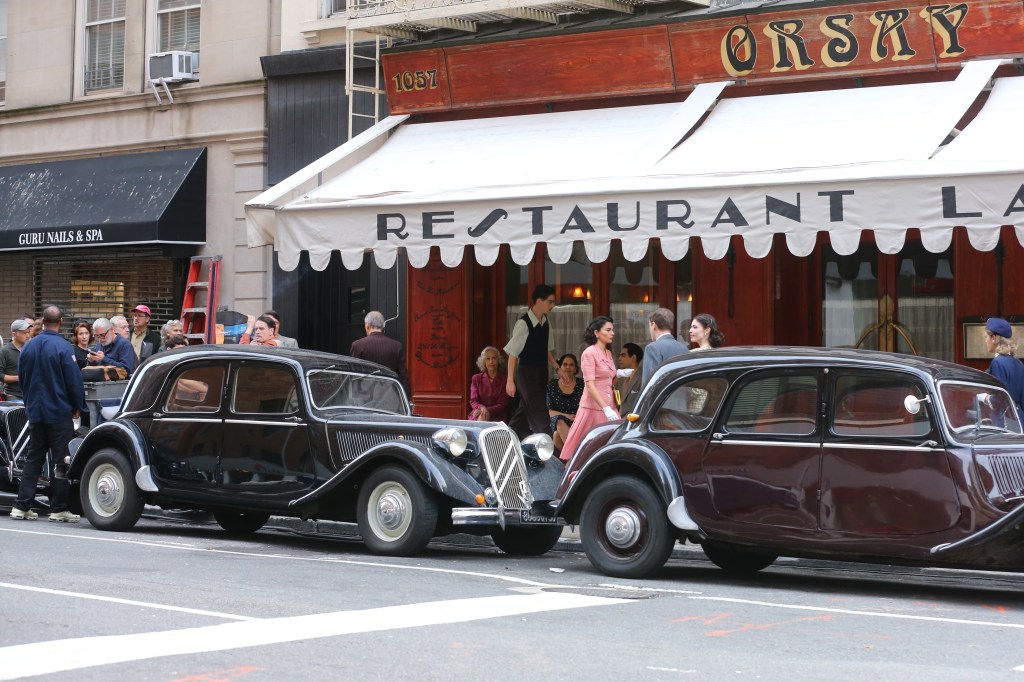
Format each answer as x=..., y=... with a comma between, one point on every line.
x=373, y=24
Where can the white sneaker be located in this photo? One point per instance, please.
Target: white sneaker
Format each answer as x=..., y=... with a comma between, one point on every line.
x=64, y=517
x=24, y=515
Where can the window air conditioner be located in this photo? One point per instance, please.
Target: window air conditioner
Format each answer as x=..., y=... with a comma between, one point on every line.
x=171, y=67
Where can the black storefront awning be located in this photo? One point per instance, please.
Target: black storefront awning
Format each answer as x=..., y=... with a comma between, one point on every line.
x=147, y=198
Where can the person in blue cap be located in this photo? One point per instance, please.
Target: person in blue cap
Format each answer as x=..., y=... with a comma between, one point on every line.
x=1005, y=367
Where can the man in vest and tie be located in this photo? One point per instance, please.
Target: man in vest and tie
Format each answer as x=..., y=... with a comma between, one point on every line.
x=531, y=350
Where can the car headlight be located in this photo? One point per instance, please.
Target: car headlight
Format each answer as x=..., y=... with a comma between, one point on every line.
x=540, y=446
x=451, y=439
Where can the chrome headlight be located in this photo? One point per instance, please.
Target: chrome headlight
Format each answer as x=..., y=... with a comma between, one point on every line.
x=452, y=440
x=540, y=446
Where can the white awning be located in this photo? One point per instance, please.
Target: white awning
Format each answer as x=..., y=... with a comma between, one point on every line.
x=838, y=161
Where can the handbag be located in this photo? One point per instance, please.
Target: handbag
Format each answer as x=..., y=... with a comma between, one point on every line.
x=104, y=373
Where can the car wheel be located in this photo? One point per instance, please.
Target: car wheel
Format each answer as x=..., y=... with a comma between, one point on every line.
x=532, y=541
x=397, y=515
x=624, y=528
x=109, y=497
x=735, y=560
x=238, y=523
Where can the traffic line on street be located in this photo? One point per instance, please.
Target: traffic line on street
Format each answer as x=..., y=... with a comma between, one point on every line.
x=38, y=658
x=854, y=612
x=127, y=602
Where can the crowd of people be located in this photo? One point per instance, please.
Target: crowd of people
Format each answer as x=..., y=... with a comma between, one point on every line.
x=569, y=406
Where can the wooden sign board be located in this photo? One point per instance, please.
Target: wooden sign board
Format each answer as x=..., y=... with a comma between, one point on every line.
x=814, y=42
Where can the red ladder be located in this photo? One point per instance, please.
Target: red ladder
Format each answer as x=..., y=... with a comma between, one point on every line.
x=199, y=308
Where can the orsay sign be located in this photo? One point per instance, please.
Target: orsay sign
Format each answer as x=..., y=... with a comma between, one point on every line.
x=843, y=38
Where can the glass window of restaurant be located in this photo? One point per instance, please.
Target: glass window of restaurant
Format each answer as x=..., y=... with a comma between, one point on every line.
x=901, y=303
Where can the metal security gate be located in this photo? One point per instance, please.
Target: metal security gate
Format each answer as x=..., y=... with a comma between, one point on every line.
x=91, y=284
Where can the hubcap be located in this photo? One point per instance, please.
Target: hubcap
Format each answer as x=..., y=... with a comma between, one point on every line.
x=107, y=490
x=622, y=527
x=390, y=511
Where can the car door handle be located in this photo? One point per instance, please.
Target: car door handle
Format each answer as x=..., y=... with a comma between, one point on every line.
x=157, y=415
x=718, y=436
x=294, y=420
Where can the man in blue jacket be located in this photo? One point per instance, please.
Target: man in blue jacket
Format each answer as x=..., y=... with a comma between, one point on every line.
x=54, y=396
x=111, y=348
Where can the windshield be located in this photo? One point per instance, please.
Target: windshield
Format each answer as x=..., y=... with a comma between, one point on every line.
x=332, y=390
x=972, y=406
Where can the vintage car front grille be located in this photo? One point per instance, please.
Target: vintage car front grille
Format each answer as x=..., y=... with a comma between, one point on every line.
x=351, y=444
x=506, y=468
x=1009, y=474
x=13, y=423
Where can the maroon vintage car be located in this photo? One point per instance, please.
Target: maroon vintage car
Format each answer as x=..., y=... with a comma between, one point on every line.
x=759, y=452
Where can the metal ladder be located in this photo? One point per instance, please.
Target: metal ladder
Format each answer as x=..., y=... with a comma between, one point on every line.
x=199, y=307
x=358, y=93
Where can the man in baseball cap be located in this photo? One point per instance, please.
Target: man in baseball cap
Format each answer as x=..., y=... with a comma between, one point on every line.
x=21, y=332
x=144, y=340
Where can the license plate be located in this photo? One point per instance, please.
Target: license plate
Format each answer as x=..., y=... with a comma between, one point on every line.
x=527, y=517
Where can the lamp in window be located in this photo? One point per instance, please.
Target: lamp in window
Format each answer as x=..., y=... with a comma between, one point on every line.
x=588, y=294
x=577, y=292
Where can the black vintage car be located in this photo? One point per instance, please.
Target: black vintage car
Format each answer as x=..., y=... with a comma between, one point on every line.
x=756, y=452
x=247, y=432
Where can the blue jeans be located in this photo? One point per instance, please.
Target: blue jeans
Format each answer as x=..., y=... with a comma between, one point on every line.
x=45, y=438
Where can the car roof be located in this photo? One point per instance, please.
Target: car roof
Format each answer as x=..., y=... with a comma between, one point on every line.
x=735, y=356
x=307, y=359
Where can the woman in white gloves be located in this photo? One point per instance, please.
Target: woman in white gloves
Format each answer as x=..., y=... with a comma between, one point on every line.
x=597, y=405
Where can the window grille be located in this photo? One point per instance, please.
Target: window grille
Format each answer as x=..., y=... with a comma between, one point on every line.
x=104, y=35
x=178, y=27
x=89, y=285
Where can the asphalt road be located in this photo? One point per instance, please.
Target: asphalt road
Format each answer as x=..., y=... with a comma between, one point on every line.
x=175, y=601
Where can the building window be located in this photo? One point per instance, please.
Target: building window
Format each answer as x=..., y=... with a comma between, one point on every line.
x=3, y=50
x=178, y=27
x=104, y=39
x=332, y=7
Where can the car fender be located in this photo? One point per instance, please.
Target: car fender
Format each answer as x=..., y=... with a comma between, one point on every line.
x=641, y=458
x=436, y=472
x=121, y=435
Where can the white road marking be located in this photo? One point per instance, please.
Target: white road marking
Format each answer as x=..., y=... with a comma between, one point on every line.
x=873, y=614
x=637, y=588
x=38, y=658
x=1019, y=669
x=128, y=602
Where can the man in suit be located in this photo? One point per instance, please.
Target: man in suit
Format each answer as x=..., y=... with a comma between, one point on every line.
x=663, y=345
x=381, y=349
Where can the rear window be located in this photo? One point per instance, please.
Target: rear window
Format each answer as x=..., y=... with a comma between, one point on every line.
x=690, y=406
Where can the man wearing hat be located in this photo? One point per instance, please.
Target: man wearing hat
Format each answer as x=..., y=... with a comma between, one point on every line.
x=21, y=332
x=144, y=340
x=1005, y=367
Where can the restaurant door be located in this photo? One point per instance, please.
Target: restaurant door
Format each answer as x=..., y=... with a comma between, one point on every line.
x=893, y=302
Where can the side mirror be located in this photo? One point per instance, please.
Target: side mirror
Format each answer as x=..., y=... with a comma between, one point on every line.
x=913, y=404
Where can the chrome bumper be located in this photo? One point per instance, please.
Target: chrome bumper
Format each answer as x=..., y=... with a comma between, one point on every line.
x=490, y=516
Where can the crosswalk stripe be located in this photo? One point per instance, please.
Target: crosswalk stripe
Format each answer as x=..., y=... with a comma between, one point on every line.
x=37, y=658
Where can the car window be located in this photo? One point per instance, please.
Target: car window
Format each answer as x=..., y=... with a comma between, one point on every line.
x=780, y=405
x=196, y=389
x=690, y=406
x=332, y=389
x=971, y=406
x=872, y=405
x=264, y=389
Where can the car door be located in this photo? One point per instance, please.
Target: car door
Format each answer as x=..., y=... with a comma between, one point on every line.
x=762, y=461
x=186, y=431
x=266, y=437
x=884, y=471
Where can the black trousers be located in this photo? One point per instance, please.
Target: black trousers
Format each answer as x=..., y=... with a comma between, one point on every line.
x=44, y=438
x=532, y=414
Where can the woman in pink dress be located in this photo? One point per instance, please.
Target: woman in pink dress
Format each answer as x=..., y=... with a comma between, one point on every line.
x=488, y=400
x=597, y=405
